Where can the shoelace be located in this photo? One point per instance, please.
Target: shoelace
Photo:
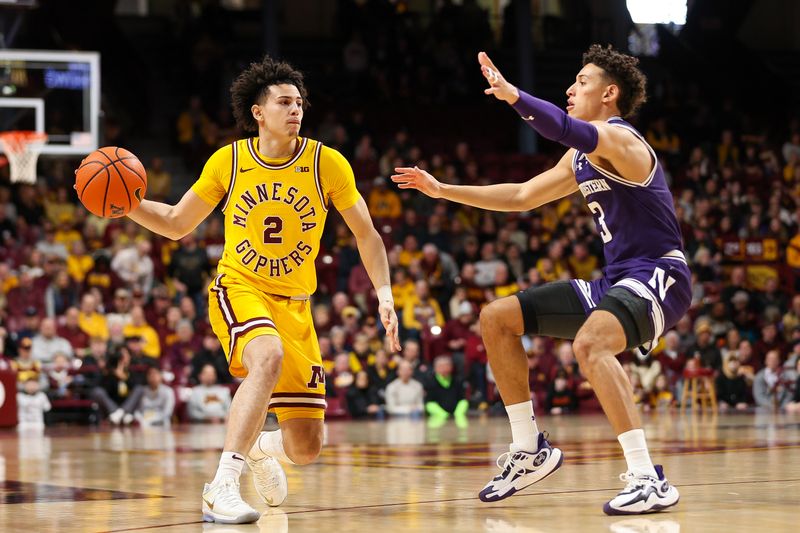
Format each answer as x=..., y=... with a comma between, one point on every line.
x=632, y=481
x=508, y=465
x=229, y=493
x=271, y=481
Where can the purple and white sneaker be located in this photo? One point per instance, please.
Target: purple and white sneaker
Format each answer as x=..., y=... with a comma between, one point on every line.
x=520, y=469
x=643, y=494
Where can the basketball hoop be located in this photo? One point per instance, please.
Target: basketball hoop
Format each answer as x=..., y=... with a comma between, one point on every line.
x=22, y=149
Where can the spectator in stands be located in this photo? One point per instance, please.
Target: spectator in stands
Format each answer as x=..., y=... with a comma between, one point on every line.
x=731, y=385
x=661, y=397
x=412, y=355
x=178, y=357
x=209, y=401
x=61, y=294
x=362, y=400
x=134, y=266
x=581, y=263
x=791, y=319
x=361, y=356
x=341, y=377
x=211, y=354
x=794, y=404
x=769, y=341
x=769, y=389
x=71, y=330
x=121, y=311
x=672, y=360
x=383, y=202
x=26, y=367
x=381, y=372
x=405, y=395
x=422, y=311
x=153, y=404
x=704, y=349
x=189, y=269
x=403, y=288
x=159, y=181
x=32, y=404
x=59, y=377
x=736, y=283
x=48, y=245
x=114, y=388
x=561, y=398
x=47, y=343
x=140, y=328
x=445, y=392
x=25, y=296
x=456, y=331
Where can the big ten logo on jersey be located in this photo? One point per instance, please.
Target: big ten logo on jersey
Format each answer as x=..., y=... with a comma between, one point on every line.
x=317, y=377
x=299, y=168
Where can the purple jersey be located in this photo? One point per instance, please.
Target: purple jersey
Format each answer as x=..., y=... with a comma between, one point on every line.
x=641, y=240
x=635, y=220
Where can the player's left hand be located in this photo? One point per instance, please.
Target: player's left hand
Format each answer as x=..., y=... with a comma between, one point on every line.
x=498, y=85
x=389, y=321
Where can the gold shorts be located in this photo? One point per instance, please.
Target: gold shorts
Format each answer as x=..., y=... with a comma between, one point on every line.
x=239, y=313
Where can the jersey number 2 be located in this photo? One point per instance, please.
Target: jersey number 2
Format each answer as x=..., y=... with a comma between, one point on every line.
x=272, y=230
x=605, y=234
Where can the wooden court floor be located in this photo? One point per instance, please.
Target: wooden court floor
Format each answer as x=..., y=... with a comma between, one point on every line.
x=735, y=473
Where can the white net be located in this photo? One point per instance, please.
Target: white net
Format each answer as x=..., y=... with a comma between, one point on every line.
x=22, y=148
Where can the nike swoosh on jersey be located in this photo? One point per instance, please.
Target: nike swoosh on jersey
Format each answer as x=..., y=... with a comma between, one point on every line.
x=243, y=170
x=528, y=118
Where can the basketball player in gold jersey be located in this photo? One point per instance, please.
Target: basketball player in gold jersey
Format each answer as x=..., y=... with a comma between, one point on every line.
x=275, y=191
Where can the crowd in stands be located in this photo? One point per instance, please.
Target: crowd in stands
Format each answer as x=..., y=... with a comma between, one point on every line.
x=102, y=312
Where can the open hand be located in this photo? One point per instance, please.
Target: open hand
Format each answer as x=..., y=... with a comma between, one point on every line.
x=416, y=178
x=389, y=321
x=498, y=85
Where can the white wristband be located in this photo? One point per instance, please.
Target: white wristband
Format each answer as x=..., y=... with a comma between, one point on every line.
x=385, y=294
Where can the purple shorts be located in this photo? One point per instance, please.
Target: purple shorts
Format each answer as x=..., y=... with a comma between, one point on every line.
x=665, y=282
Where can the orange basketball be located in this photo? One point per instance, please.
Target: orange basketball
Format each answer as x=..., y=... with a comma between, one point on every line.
x=111, y=182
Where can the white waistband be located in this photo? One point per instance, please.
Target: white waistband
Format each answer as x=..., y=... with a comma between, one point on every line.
x=675, y=254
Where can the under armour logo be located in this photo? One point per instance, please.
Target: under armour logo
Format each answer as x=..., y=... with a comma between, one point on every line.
x=580, y=165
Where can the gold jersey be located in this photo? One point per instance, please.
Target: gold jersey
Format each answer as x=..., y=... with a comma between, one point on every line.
x=275, y=211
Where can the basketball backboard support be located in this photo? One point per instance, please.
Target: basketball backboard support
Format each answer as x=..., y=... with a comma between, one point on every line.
x=55, y=92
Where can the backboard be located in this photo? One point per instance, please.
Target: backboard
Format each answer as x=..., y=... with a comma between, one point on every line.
x=55, y=92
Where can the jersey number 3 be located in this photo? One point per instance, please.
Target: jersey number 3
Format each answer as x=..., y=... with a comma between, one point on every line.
x=605, y=234
x=272, y=230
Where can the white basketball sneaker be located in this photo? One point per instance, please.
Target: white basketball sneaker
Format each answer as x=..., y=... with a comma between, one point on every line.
x=269, y=479
x=643, y=494
x=522, y=468
x=223, y=504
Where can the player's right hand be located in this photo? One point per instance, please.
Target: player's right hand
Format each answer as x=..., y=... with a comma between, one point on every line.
x=498, y=85
x=416, y=178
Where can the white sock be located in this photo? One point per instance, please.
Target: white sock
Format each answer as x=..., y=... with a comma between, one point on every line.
x=269, y=443
x=524, y=431
x=634, y=446
x=230, y=466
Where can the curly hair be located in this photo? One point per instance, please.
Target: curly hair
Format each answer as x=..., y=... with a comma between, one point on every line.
x=624, y=72
x=251, y=87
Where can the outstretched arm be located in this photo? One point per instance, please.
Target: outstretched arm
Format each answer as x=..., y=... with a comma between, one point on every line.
x=373, y=254
x=548, y=186
x=627, y=153
x=172, y=221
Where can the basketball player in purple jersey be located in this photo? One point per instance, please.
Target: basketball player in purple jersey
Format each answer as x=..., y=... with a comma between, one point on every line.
x=646, y=284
